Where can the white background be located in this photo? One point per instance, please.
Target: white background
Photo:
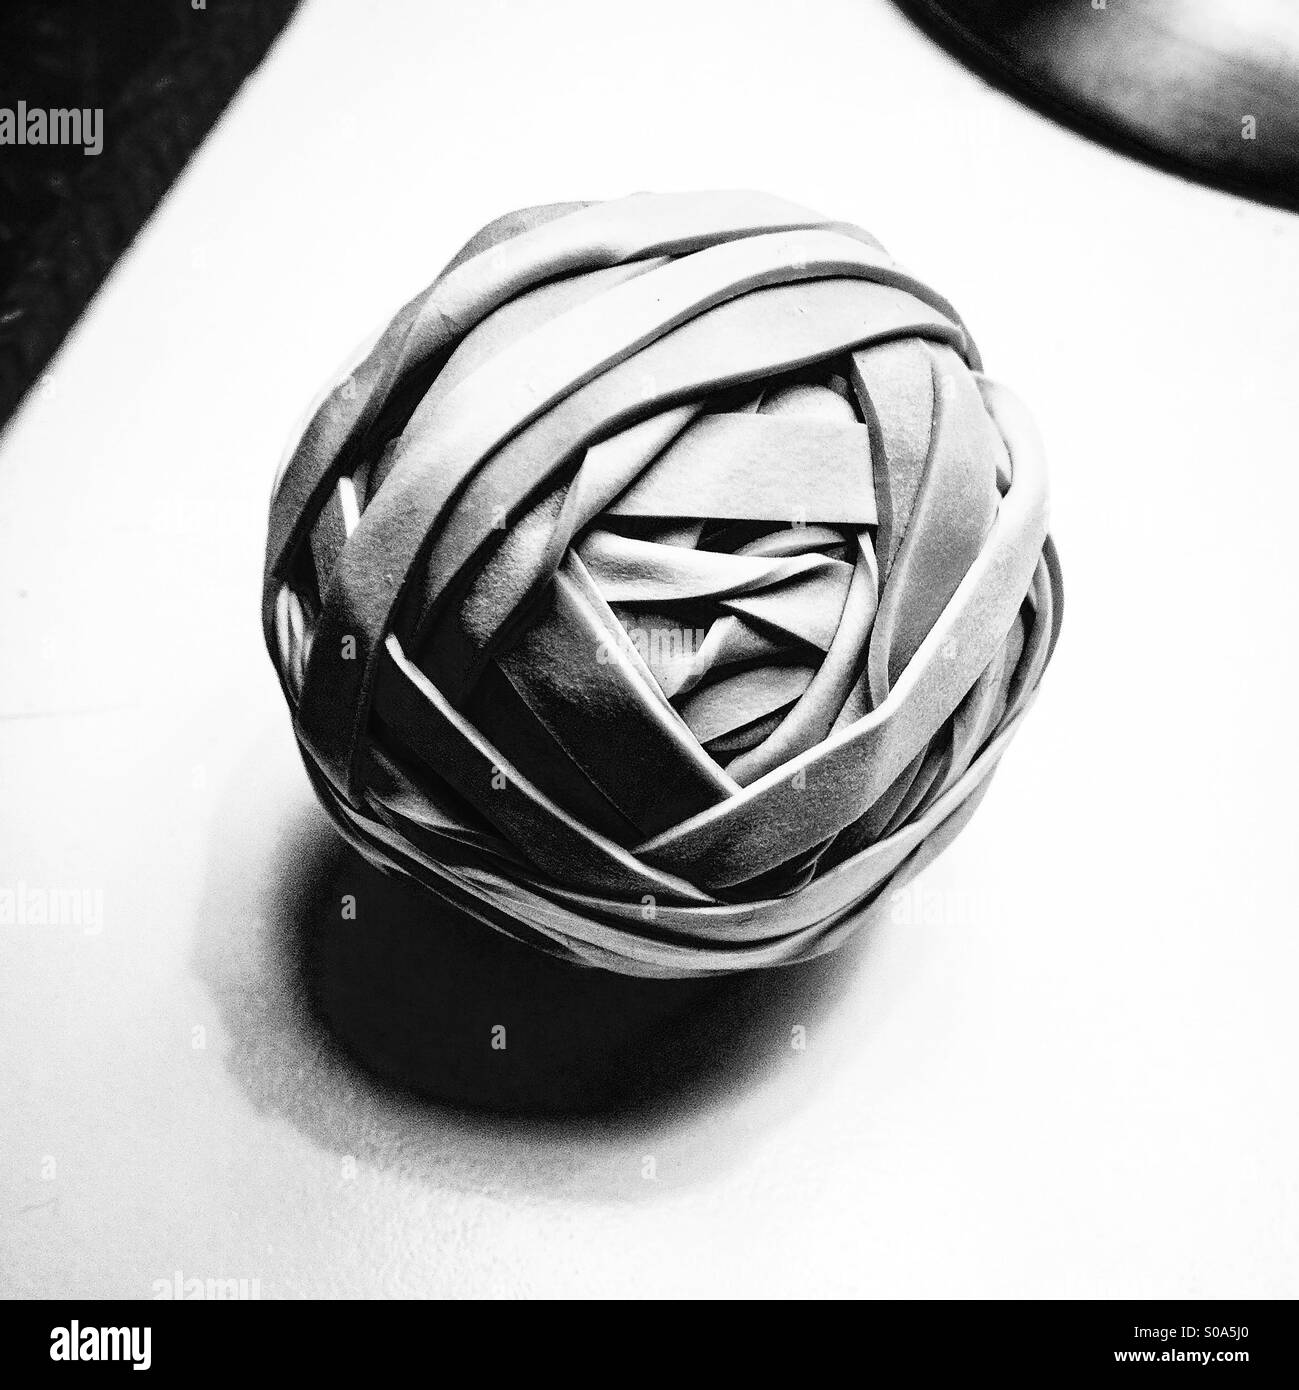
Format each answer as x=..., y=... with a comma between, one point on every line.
x=1070, y=1072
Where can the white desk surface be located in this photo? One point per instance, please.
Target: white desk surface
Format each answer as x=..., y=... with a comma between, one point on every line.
x=1071, y=1072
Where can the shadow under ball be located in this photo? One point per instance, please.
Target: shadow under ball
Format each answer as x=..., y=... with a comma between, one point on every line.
x=665, y=584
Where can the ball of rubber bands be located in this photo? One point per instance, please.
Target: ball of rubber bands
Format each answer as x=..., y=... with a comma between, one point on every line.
x=665, y=583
